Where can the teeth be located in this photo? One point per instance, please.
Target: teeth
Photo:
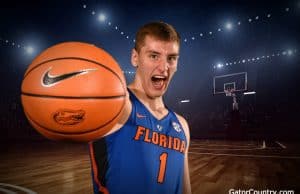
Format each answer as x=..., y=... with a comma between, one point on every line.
x=159, y=77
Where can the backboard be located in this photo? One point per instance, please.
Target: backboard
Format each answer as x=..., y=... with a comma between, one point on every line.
x=235, y=81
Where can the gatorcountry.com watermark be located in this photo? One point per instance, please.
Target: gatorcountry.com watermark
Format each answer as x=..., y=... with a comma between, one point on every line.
x=254, y=191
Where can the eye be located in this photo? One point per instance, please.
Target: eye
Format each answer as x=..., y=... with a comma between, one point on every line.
x=172, y=58
x=154, y=56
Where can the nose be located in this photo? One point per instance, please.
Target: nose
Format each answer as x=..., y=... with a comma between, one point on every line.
x=163, y=65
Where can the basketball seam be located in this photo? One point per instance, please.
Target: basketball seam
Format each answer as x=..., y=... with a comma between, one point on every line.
x=71, y=97
x=77, y=133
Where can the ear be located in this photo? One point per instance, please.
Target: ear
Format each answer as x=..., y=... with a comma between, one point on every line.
x=134, y=57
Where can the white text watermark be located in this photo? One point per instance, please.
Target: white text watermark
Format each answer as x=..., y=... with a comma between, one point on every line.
x=265, y=191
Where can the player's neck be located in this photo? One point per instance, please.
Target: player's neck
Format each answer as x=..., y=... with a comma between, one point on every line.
x=153, y=104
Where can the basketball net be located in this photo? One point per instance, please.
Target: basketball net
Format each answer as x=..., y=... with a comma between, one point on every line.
x=230, y=92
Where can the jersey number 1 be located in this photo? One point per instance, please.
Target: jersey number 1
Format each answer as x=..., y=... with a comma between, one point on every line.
x=162, y=167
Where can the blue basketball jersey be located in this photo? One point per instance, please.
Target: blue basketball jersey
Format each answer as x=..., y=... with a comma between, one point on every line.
x=146, y=156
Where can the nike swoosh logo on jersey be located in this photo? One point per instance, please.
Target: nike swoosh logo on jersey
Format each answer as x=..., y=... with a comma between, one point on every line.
x=49, y=80
x=140, y=116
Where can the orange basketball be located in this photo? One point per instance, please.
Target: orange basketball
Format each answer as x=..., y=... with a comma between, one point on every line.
x=73, y=91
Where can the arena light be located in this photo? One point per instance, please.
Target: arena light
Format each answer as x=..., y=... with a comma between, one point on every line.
x=228, y=25
x=29, y=50
x=219, y=65
x=289, y=52
x=101, y=17
x=249, y=93
x=185, y=101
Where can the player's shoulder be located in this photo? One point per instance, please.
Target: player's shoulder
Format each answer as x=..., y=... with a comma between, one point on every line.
x=182, y=120
x=183, y=123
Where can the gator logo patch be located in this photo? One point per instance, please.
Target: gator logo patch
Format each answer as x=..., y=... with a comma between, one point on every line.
x=68, y=116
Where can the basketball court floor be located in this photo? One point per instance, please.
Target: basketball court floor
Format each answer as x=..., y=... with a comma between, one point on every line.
x=216, y=167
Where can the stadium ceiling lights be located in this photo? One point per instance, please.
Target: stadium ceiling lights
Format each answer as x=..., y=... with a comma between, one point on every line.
x=103, y=18
x=219, y=65
x=10, y=43
x=228, y=25
x=29, y=50
x=129, y=72
x=288, y=53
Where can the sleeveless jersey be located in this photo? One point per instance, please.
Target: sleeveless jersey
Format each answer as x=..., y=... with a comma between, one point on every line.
x=145, y=156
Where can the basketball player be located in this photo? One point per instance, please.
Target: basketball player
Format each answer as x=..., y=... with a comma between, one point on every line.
x=147, y=151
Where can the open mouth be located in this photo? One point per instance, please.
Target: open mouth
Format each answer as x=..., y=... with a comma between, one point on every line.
x=158, y=81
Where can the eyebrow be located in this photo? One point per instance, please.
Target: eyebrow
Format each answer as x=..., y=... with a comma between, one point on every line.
x=153, y=52
x=174, y=55
x=158, y=53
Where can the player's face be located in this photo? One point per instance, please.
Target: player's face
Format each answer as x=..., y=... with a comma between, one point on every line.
x=156, y=64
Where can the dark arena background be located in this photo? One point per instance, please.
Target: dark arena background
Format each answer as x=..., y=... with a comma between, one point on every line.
x=245, y=140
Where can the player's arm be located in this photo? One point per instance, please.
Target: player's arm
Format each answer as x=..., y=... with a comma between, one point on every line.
x=186, y=173
x=186, y=178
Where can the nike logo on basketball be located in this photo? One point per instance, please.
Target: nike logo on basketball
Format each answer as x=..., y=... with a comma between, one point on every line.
x=49, y=80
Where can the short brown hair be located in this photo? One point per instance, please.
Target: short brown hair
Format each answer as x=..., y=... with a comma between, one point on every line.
x=160, y=30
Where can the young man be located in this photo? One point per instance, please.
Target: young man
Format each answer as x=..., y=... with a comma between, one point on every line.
x=147, y=151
